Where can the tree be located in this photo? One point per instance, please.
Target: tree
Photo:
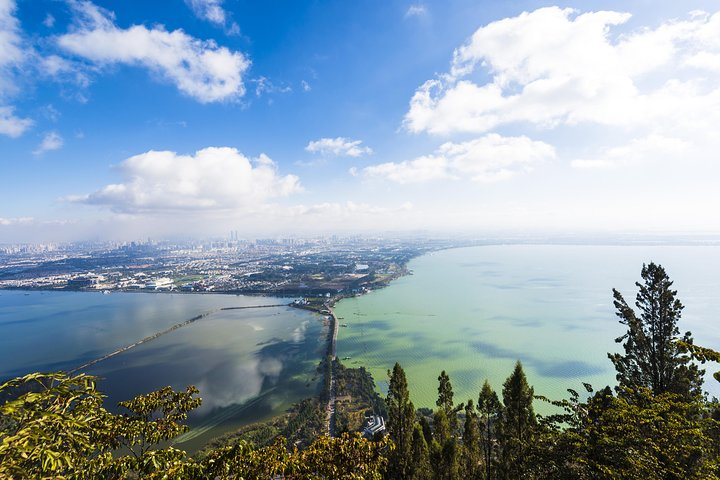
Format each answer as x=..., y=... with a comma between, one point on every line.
x=489, y=408
x=517, y=425
x=445, y=401
x=400, y=425
x=422, y=470
x=448, y=466
x=652, y=357
x=641, y=435
x=54, y=426
x=441, y=427
x=471, y=454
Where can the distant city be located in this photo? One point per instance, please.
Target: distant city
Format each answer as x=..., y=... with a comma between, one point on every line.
x=288, y=266
x=324, y=265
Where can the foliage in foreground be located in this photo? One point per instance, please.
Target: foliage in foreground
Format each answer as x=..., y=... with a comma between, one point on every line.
x=55, y=426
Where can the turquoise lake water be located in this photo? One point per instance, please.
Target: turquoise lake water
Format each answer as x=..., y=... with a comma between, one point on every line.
x=248, y=364
x=475, y=311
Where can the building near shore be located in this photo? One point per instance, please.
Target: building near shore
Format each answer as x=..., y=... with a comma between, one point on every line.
x=162, y=283
x=375, y=426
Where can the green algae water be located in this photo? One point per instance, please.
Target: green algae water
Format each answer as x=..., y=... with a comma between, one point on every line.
x=474, y=311
x=249, y=364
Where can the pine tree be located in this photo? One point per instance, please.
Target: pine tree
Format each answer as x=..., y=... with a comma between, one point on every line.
x=422, y=470
x=442, y=427
x=471, y=455
x=400, y=425
x=449, y=464
x=445, y=401
x=517, y=425
x=652, y=357
x=489, y=408
x=445, y=393
x=427, y=430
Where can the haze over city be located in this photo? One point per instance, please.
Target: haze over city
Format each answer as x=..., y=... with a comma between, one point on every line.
x=122, y=120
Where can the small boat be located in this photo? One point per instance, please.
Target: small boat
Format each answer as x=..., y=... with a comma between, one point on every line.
x=347, y=358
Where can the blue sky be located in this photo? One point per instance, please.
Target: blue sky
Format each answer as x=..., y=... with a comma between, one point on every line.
x=133, y=119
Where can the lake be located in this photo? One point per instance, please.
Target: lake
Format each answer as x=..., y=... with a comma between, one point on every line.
x=248, y=364
x=474, y=311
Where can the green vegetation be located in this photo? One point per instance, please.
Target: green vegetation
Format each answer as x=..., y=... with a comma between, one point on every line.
x=654, y=425
x=55, y=426
x=355, y=398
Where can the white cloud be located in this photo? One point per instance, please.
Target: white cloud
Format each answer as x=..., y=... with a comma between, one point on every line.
x=12, y=53
x=264, y=85
x=339, y=211
x=305, y=86
x=6, y=222
x=637, y=150
x=555, y=67
x=210, y=10
x=215, y=178
x=486, y=159
x=51, y=141
x=338, y=147
x=417, y=10
x=11, y=125
x=200, y=69
x=49, y=21
x=10, y=48
x=213, y=12
x=31, y=221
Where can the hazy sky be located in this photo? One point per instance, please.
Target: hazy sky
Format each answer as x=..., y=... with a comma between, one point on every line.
x=128, y=119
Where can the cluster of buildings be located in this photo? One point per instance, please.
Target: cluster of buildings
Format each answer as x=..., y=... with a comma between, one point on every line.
x=267, y=266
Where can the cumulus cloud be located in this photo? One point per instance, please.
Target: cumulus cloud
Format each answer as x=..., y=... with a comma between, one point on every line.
x=198, y=68
x=51, y=141
x=338, y=147
x=486, y=159
x=556, y=67
x=215, y=178
x=11, y=125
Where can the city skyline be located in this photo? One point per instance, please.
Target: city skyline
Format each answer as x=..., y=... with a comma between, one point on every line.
x=198, y=117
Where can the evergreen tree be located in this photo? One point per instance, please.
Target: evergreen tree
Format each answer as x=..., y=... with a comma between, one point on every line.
x=427, y=430
x=400, y=425
x=422, y=470
x=517, y=425
x=471, y=455
x=441, y=427
x=445, y=393
x=449, y=464
x=445, y=401
x=652, y=357
x=489, y=408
